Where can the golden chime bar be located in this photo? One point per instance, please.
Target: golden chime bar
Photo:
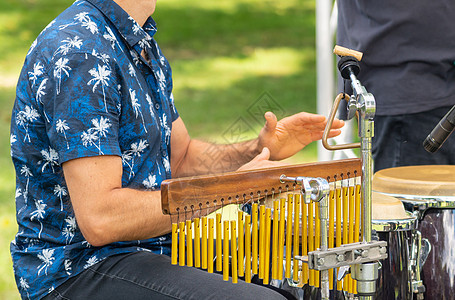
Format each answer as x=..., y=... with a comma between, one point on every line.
x=219, y=252
x=295, y=271
x=210, y=247
x=234, y=274
x=181, y=243
x=241, y=236
x=304, y=243
x=204, y=240
x=189, y=243
x=289, y=237
x=281, y=236
x=197, y=243
x=247, y=249
x=276, y=219
x=268, y=222
x=280, y=227
x=226, y=251
x=262, y=229
x=174, y=243
x=254, y=237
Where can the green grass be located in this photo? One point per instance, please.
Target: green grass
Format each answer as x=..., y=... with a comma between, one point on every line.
x=232, y=61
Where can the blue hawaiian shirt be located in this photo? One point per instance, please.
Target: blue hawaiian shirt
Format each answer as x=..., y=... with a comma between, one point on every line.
x=85, y=90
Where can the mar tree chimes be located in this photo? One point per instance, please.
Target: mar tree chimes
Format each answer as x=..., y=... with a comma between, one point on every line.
x=271, y=223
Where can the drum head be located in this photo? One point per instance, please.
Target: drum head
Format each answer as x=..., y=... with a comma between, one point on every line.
x=434, y=180
x=387, y=208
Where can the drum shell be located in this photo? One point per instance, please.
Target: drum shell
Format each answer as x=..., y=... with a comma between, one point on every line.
x=438, y=272
x=429, y=193
x=393, y=276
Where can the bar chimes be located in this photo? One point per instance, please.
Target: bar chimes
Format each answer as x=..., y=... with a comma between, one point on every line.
x=280, y=225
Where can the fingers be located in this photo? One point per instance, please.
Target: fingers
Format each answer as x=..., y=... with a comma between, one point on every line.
x=270, y=121
x=260, y=161
x=332, y=133
x=264, y=155
x=337, y=124
x=304, y=118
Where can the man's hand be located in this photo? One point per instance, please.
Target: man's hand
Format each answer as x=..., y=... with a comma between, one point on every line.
x=261, y=161
x=288, y=136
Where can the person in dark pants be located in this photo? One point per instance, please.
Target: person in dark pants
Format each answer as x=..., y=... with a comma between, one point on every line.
x=94, y=131
x=409, y=66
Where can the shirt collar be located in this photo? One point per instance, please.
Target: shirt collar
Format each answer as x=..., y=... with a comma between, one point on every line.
x=133, y=34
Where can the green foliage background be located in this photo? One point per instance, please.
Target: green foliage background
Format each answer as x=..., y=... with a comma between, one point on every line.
x=231, y=59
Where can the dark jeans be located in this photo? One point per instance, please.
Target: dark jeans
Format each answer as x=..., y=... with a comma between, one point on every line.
x=398, y=140
x=145, y=275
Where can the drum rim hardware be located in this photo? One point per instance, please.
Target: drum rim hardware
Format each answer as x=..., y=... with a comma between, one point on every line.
x=385, y=225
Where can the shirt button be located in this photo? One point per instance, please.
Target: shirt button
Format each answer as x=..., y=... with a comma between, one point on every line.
x=157, y=106
x=163, y=152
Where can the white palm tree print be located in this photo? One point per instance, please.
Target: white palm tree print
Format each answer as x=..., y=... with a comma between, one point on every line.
x=25, y=117
x=47, y=258
x=92, y=135
x=166, y=164
x=135, y=151
x=135, y=56
x=39, y=214
x=87, y=22
x=100, y=76
x=27, y=173
x=91, y=261
x=137, y=107
x=70, y=229
x=133, y=74
x=161, y=80
x=67, y=264
x=144, y=43
x=171, y=98
x=50, y=158
x=38, y=70
x=165, y=126
x=103, y=57
x=16, y=196
x=61, y=127
x=111, y=38
x=150, y=182
x=101, y=126
x=150, y=103
x=24, y=285
x=12, y=140
x=40, y=92
x=69, y=43
x=60, y=69
x=136, y=27
x=60, y=192
x=18, y=193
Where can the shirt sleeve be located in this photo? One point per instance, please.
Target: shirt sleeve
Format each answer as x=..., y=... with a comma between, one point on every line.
x=82, y=107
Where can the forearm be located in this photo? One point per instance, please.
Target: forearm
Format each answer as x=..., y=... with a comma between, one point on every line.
x=207, y=158
x=122, y=214
x=105, y=211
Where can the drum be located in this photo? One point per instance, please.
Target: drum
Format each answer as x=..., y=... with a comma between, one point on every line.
x=395, y=226
x=429, y=193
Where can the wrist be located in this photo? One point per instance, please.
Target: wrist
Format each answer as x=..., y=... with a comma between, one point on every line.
x=255, y=148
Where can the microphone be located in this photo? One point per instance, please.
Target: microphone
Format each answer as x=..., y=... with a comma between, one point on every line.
x=441, y=132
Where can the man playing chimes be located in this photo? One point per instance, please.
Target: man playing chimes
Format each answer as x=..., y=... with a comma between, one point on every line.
x=93, y=135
